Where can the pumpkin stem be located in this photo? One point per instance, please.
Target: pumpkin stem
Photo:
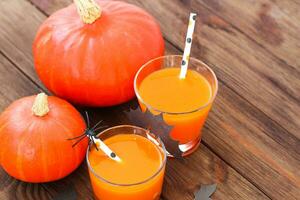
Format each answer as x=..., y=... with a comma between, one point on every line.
x=88, y=10
x=40, y=105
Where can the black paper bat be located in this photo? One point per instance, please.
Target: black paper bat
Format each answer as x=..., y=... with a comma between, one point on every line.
x=156, y=125
x=205, y=192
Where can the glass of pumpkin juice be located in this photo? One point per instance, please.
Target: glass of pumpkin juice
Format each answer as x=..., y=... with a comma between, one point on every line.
x=139, y=174
x=183, y=103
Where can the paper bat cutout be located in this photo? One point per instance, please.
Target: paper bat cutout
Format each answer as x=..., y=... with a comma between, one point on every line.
x=133, y=104
x=157, y=126
x=205, y=192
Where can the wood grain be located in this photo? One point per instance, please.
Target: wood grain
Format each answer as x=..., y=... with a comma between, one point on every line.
x=243, y=65
x=9, y=91
x=20, y=87
x=14, y=85
x=14, y=46
x=185, y=176
x=11, y=189
x=203, y=172
x=243, y=139
x=240, y=63
x=182, y=177
x=248, y=69
x=272, y=24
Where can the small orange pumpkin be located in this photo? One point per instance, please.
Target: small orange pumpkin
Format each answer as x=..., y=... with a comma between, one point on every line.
x=33, y=139
x=92, y=61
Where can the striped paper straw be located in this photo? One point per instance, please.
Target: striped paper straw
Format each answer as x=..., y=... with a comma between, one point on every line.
x=188, y=45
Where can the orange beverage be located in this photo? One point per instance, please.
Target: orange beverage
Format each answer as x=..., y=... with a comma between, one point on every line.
x=140, y=173
x=184, y=103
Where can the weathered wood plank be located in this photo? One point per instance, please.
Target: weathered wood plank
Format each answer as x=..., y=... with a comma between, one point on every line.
x=240, y=155
x=201, y=168
x=240, y=63
x=273, y=24
x=259, y=123
x=47, y=6
x=15, y=85
x=237, y=133
x=24, y=41
x=78, y=182
x=11, y=189
x=203, y=165
x=185, y=176
x=247, y=68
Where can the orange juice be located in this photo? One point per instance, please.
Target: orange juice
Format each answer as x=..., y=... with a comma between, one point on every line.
x=164, y=90
x=138, y=176
x=184, y=103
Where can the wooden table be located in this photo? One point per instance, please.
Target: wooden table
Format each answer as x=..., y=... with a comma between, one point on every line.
x=251, y=141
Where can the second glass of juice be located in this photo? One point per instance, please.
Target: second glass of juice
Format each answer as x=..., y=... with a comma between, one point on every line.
x=139, y=174
x=184, y=103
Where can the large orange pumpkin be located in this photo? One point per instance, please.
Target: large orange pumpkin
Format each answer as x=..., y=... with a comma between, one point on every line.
x=34, y=133
x=92, y=60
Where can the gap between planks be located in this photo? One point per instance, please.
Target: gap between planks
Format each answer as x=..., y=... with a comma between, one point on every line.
x=232, y=89
x=238, y=171
x=214, y=152
x=162, y=195
x=203, y=143
x=176, y=47
x=46, y=14
x=250, y=38
x=21, y=71
x=180, y=51
x=250, y=103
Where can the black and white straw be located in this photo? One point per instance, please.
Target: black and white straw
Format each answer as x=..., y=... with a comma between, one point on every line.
x=99, y=144
x=188, y=45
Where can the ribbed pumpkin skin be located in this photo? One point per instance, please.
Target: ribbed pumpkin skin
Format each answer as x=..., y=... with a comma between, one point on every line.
x=95, y=64
x=35, y=149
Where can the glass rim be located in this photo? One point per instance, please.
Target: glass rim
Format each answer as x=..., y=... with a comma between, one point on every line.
x=162, y=165
x=175, y=113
